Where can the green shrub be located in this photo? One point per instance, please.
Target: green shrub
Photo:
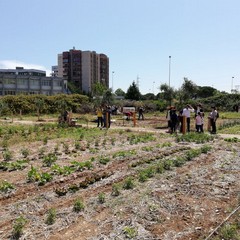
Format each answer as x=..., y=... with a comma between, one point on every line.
x=160, y=167
x=101, y=197
x=167, y=164
x=25, y=152
x=142, y=176
x=178, y=161
x=7, y=155
x=18, y=226
x=192, y=154
x=128, y=183
x=104, y=160
x=6, y=187
x=116, y=189
x=49, y=159
x=78, y=205
x=205, y=148
x=229, y=232
x=51, y=216
x=44, y=178
x=130, y=232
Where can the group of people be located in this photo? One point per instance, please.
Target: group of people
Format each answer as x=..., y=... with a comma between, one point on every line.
x=175, y=120
x=104, y=115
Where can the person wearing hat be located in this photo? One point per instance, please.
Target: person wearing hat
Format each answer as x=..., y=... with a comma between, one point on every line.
x=187, y=113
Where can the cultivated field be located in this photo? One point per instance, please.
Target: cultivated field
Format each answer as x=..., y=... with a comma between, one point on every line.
x=122, y=183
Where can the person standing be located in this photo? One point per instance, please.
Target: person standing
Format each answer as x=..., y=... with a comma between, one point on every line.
x=174, y=120
x=107, y=116
x=99, y=117
x=199, y=123
x=202, y=115
x=109, y=113
x=140, y=113
x=187, y=113
x=168, y=117
x=213, y=118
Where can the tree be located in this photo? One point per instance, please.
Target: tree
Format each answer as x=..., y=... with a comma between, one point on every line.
x=206, y=91
x=120, y=92
x=148, y=96
x=133, y=92
x=188, y=90
x=73, y=88
x=39, y=103
x=98, y=89
x=107, y=97
x=167, y=93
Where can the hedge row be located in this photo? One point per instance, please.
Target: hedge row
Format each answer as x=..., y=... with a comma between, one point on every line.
x=45, y=104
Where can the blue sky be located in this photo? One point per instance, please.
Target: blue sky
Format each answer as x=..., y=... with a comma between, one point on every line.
x=201, y=36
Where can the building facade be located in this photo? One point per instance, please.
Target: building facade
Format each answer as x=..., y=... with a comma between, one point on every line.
x=23, y=72
x=29, y=81
x=83, y=68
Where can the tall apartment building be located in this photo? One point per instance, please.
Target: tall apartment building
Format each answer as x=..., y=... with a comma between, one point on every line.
x=83, y=68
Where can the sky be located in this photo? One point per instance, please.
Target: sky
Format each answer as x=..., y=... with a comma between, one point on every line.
x=201, y=36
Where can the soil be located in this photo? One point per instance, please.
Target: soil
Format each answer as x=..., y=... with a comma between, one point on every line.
x=183, y=203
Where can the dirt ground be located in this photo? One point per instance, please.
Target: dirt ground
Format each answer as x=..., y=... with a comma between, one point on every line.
x=183, y=203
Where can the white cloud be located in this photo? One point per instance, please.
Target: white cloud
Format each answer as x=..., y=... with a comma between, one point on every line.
x=12, y=64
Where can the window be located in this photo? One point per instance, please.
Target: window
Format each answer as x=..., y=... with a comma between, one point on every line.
x=34, y=82
x=9, y=92
x=22, y=82
x=33, y=92
x=57, y=83
x=46, y=83
x=9, y=81
x=22, y=92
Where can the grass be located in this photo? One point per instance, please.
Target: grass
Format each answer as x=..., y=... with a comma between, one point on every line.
x=235, y=129
x=194, y=137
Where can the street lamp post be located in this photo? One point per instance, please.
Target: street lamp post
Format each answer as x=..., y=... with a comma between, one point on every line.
x=153, y=87
x=112, y=80
x=169, y=71
x=232, y=85
x=169, y=80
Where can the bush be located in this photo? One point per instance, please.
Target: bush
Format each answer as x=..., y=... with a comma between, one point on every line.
x=5, y=187
x=128, y=183
x=115, y=189
x=78, y=205
x=19, y=223
x=51, y=216
x=101, y=197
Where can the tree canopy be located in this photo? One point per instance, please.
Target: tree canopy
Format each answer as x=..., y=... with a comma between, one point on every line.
x=120, y=92
x=133, y=92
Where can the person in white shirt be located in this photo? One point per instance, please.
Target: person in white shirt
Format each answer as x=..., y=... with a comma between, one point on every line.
x=187, y=113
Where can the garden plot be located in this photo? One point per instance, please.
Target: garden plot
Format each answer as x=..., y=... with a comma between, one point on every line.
x=87, y=183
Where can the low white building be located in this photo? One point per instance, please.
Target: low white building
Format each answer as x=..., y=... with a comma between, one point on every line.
x=29, y=81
